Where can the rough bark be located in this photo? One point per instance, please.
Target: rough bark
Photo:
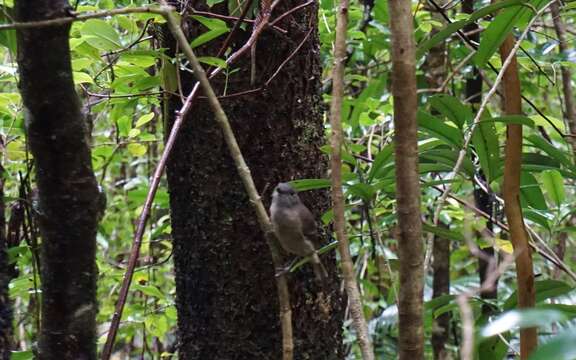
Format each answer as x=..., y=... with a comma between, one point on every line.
x=511, y=194
x=436, y=74
x=226, y=297
x=410, y=243
x=69, y=200
x=441, y=286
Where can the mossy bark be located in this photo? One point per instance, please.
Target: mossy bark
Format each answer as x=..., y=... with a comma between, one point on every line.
x=226, y=296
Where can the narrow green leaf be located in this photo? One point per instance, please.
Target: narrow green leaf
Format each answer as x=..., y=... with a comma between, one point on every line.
x=553, y=182
x=208, y=36
x=511, y=119
x=383, y=158
x=436, y=127
x=500, y=27
x=530, y=192
x=213, y=61
x=452, y=108
x=458, y=25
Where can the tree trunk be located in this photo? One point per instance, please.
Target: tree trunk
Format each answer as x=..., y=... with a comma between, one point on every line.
x=5, y=277
x=410, y=243
x=226, y=296
x=68, y=196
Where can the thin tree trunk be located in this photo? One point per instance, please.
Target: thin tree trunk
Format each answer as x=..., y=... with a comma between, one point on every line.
x=68, y=196
x=350, y=283
x=6, y=331
x=224, y=275
x=570, y=111
x=410, y=245
x=511, y=194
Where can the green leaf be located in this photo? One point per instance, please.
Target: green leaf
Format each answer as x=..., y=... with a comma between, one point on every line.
x=553, y=182
x=364, y=191
x=144, y=119
x=22, y=355
x=561, y=346
x=82, y=78
x=382, y=159
x=512, y=119
x=207, y=36
x=521, y=319
x=452, y=108
x=124, y=124
x=500, y=27
x=101, y=35
x=213, y=61
x=457, y=25
x=485, y=142
x=150, y=290
x=210, y=23
x=310, y=184
x=545, y=289
x=550, y=149
x=136, y=149
x=436, y=127
x=530, y=191
x=447, y=157
x=16, y=150
x=443, y=232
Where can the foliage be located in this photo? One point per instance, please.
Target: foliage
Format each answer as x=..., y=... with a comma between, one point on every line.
x=120, y=71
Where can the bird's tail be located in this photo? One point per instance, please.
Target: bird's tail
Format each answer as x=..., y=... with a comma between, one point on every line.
x=319, y=269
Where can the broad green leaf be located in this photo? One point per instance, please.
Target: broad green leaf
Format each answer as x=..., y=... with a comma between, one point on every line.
x=149, y=290
x=436, y=127
x=452, y=108
x=458, y=25
x=136, y=149
x=16, y=150
x=568, y=310
x=82, y=78
x=553, y=182
x=521, y=319
x=545, y=289
x=561, y=346
x=500, y=27
x=144, y=119
x=373, y=90
x=124, y=124
x=530, y=192
x=101, y=35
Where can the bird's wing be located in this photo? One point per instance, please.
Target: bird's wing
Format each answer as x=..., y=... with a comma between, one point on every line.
x=308, y=224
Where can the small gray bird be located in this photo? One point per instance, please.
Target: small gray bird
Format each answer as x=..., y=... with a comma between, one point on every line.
x=294, y=226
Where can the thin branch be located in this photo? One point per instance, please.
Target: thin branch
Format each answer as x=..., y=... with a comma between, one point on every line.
x=351, y=285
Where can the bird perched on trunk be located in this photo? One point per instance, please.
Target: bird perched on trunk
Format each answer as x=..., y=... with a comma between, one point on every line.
x=294, y=226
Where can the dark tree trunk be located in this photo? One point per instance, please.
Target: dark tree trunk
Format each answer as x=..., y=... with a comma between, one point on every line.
x=484, y=200
x=226, y=295
x=67, y=190
x=5, y=277
x=440, y=287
